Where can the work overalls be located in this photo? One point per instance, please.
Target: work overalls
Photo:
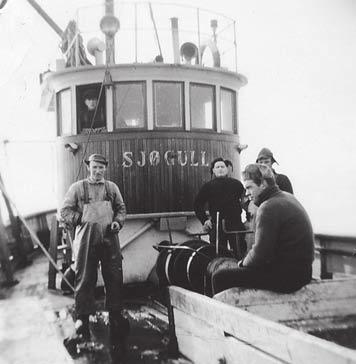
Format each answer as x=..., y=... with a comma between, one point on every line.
x=95, y=242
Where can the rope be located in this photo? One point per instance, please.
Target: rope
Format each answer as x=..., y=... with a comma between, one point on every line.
x=35, y=238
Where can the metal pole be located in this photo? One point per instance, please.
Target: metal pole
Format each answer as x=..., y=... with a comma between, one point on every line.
x=136, y=32
x=110, y=41
x=235, y=45
x=198, y=22
x=217, y=233
x=46, y=17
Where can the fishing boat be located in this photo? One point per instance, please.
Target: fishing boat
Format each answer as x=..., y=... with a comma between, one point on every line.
x=166, y=90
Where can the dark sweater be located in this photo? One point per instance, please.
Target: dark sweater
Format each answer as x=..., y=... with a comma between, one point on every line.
x=284, y=235
x=221, y=194
x=283, y=182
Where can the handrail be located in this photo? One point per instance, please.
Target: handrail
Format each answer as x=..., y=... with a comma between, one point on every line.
x=339, y=238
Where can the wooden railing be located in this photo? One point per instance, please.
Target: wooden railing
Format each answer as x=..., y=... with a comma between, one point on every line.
x=337, y=254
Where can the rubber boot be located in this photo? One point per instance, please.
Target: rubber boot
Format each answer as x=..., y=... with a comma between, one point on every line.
x=119, y=332
x=82, y=334
x=82, y=327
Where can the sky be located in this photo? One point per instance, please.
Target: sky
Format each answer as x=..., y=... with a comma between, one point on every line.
x=298, y=57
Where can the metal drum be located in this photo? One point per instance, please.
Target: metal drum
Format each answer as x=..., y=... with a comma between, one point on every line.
x=165, y=267
x=163, y=264
x=180, y=264
x=198, y=262
x=186, y=265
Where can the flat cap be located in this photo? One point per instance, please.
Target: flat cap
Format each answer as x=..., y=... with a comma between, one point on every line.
x=97, y=158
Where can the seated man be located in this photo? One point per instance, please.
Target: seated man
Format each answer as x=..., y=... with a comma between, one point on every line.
x=282, y=255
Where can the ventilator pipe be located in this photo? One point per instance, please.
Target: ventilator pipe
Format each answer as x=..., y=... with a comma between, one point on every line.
x=175, y=39
x=96, y=48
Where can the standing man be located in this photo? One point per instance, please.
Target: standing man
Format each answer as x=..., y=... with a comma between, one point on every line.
x=222, y=194
x=265, y=156
x=94, y=206
x=282, y=255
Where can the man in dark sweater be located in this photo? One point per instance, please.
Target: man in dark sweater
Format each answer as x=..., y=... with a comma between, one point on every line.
x=282, y=255
x=222, y=194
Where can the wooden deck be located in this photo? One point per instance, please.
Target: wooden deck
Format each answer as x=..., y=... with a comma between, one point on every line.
x=34, y=321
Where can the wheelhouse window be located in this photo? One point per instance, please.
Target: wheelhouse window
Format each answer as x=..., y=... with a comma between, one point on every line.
x=91, y=109
x=228, y=110
x=202, y=106
x=129, y=105
x=168, y=104
x=64, y=110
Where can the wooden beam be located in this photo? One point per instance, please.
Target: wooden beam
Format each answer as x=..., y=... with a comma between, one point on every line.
x=274, y=339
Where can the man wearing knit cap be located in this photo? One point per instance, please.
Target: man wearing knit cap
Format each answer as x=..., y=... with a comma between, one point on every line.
x=95, y=208
x=265, y=156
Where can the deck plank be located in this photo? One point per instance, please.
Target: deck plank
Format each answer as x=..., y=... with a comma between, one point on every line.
x=272, y=338
x=26, y=335
x=320, y=299
x=203, y=343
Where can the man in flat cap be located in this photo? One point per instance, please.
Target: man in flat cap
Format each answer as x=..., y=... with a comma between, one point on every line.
x=265, y=156
x=95, y=208
x=92, y=117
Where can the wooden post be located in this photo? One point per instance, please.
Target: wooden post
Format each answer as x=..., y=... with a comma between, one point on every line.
x=173, y=351
x=53, y=245
x=15, y=229
x=5, y=256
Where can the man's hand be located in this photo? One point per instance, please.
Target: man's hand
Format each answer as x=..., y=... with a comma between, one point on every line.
x=115, y=227
x=207, y=225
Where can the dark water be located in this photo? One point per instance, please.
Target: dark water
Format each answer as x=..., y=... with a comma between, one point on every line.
x=147, y=342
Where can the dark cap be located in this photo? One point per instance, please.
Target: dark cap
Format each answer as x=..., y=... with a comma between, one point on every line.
x=265, y=153
x=97, y=158
x=90, y=94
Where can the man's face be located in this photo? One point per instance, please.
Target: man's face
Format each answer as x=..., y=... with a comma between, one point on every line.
x=253, y=190
x=96, y=170
x=266, y=161
x=91, y=103
x=220, y=169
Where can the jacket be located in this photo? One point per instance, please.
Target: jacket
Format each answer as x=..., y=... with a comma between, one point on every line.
x=72, y=208
x=284, y=234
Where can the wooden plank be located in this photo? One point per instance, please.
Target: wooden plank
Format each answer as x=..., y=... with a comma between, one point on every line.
x=288, y=311
x=202, y=343
x=198, y=340
x=340, y=264
x=274, y=339
x=321, y=289
x=239, y=352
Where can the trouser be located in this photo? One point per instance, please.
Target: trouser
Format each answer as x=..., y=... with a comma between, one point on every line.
x=94, y=248
x=236, y=242
x=284, y=279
